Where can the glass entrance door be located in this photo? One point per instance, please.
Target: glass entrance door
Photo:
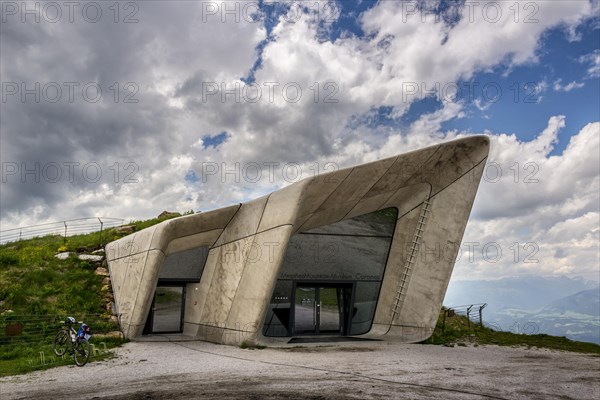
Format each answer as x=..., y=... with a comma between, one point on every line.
x=321, y=309
x=305, y=311
x=167, y=310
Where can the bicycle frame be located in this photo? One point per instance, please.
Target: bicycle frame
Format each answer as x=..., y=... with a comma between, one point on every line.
x=67, y=340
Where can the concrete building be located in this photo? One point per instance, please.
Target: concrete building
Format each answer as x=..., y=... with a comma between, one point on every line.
x=365, y=252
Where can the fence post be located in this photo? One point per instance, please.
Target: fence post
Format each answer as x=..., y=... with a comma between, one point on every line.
x=481, y=314
x=65, y=222
x=101, y=226
x=469, y=317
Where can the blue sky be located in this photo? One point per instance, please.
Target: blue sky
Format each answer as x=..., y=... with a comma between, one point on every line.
x=524, y=111
x=519, y=107
x=506, y=98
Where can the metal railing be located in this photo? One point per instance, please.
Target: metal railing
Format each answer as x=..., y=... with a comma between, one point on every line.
x=65, y=228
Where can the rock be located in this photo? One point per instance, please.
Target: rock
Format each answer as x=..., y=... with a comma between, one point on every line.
x=63, y=255
x=102, y=271
x=127, y=229
x=168, y=214
x=106, y=280
x=111, y=335
x=90, y=257
x=99, y=252
x=105, y=288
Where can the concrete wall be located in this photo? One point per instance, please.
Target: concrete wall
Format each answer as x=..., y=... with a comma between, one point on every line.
x=247, y=244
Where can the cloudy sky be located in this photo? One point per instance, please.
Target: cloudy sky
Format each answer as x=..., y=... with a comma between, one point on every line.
x=125, y=109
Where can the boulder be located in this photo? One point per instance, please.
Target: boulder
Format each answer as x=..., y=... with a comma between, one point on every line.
x=102, y=271
x=168, y=214
x=126, y=229
x=63, y=256
x=90, y=257
x=113, y=334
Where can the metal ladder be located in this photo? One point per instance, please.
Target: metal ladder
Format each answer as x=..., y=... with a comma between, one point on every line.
x=412, y=256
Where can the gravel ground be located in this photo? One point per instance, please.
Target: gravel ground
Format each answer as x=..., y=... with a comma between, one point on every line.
x=358, y=370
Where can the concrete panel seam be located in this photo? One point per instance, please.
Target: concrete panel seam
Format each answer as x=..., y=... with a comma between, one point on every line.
x=247, y=236
x=438, y=147
x=262, y=214
x=418, y=205
x=228, y=222
x=192, y=234
x=374, y=183
x=333, y=191
x=456, y=180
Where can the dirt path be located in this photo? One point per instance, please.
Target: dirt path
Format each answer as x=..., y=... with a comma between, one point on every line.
x=376, y=370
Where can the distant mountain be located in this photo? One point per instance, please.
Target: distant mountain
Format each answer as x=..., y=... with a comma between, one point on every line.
x=525, y=293
x=553, y=305
x=584, y=302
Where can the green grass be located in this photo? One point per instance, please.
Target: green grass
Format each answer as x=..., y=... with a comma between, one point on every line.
x=33, y=281
x=20, y=358
x=251, y=346
x=37, y=291
x=458, y=332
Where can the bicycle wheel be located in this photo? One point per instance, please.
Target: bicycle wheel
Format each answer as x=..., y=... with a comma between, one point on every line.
x=82, y=352
x=61, y=342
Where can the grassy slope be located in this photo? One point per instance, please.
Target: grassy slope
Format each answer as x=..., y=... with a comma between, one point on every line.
x=458, y=332
x=37, y=291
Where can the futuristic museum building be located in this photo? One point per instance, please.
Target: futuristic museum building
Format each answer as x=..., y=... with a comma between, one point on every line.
x=365, y=252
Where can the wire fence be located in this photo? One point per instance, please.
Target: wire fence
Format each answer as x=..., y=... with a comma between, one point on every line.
x=42, y=328
x=26, y=341
x=473, y=312
x=65, y=228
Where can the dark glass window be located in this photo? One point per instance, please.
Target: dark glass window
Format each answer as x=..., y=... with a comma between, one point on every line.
x=184, y=266
x=277, y=320
x=353, y=251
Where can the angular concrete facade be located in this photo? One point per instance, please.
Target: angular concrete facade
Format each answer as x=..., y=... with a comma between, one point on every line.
x=229, y=290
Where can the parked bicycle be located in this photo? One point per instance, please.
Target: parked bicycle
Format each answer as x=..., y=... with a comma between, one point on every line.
x=74, y=342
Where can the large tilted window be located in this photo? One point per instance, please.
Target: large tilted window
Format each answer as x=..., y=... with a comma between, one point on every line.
x=184, y=266
x=332, y=275
x=168, y=304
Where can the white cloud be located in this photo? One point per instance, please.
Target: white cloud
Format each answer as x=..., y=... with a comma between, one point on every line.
x=548, y=204
x=593, y=60
x=481, y=104
x=559, y=87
